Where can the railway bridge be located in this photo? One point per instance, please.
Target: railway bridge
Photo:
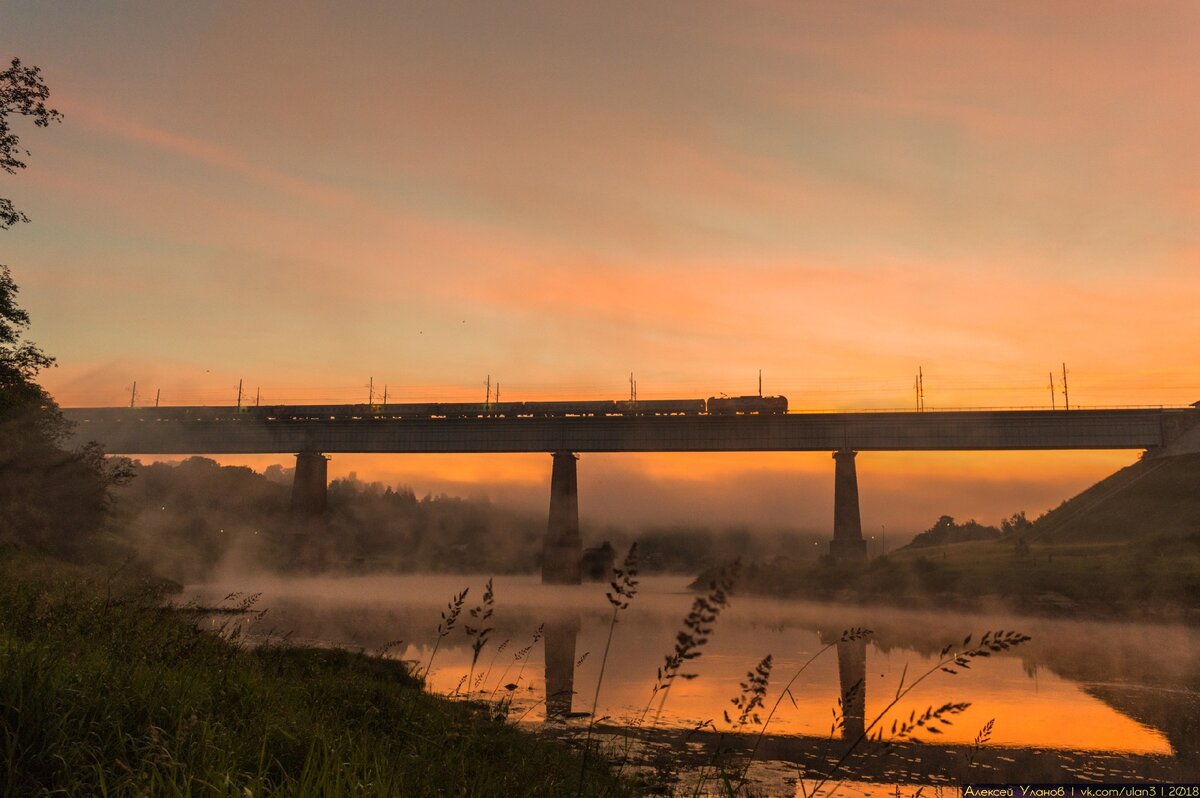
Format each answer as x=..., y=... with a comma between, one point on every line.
x=1160, y=431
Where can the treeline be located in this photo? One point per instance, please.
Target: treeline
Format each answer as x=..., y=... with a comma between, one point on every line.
x=191, y=519
x=195, y=517
x=690, y=549
x=946, y=530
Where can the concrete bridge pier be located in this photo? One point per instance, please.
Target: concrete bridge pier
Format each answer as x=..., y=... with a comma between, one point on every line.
x=562, y=550
x=309, y=485
x=847, y=543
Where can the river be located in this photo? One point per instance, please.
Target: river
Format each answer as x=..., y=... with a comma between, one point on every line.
x=1079, y=701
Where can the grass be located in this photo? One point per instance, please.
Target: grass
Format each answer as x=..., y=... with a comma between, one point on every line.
x=102, y=692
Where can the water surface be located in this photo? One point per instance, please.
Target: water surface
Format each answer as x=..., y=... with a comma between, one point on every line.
x=1081, y=701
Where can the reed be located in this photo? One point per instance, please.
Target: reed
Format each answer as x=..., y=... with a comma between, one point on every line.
x=522, y=656
x=449, y=620
x=848, y=635
x=480, y=615
x=698, y=626
x=981, y=739
x=750, y=698
x=951, y=659
x=622, y=590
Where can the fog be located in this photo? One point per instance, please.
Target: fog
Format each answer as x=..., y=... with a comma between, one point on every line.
x=904, y=492
x=1075, y=685
x=196, y=519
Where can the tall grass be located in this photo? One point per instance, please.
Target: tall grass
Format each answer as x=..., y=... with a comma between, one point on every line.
x=750, y=698
x=104, y=692
x=951, y=659
x=848, y=635
x=120, y=697
x=690, y=640
x=623, y=589
x=480, y=616
x=449, y=619
x=522, y=656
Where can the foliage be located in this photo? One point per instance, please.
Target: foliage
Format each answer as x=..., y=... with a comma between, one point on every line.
x=50, y=497
x=945, y=530
x=24, y=93
x=1015, y=523
x=690, y=549
x=193, y=517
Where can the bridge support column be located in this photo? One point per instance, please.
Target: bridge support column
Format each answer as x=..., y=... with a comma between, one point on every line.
x=562, y=550
x=309, y=485
x=847, y=543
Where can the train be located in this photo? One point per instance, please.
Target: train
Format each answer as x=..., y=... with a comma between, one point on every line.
x=713, y=406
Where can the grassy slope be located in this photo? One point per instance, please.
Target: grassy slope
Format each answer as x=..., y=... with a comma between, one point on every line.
x=1128, y=545
x=120, y=697
x=1147, y=501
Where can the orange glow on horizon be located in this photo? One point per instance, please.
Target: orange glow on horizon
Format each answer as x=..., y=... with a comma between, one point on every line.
x=797, y=188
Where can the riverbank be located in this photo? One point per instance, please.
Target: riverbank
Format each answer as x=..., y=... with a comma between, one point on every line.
x=1134, y=581
x=107, y=693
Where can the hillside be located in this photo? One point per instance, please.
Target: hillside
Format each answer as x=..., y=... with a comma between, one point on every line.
x=1152, y=499
x=1127, y=546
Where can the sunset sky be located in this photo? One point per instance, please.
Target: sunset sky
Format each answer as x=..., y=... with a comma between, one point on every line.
x=308, y=195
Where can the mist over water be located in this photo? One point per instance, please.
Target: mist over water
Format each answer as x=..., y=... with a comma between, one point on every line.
x=1080, y=697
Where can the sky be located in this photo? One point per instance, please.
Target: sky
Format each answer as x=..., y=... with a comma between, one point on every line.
x=308, y=196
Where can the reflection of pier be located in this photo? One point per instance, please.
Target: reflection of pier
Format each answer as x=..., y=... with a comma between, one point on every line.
x=895, y=762
x=852, y=675
x=560, y=635
x=1158, y=691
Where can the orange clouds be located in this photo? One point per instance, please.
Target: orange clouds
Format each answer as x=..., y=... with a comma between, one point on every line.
x=306, y=197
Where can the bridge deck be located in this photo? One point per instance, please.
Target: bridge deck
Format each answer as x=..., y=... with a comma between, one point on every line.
x=143, y=431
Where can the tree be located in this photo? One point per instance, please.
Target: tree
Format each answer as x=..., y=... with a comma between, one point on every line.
x=1017, y=522
x=21, y=398
x=50, y=497
x=22, y=92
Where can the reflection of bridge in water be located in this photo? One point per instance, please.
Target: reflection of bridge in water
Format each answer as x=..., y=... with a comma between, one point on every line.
x=311, y=436
x=1091, y=680
x=900, y=761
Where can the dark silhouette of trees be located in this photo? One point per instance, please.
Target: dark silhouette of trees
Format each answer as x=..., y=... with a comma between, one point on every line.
x=50, y=497
x=1017, y=522
x=946, y=530
x=23, y=93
